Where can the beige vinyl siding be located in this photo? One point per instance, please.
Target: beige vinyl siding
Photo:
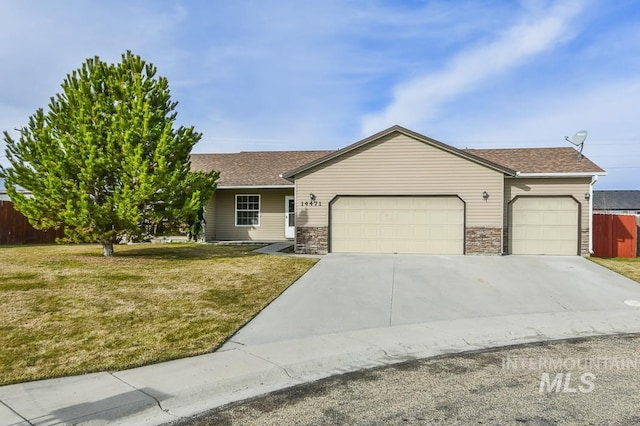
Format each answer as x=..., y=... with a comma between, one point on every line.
x=272, y=209
x=575, y=187
x=400, y=165
x=209, y=218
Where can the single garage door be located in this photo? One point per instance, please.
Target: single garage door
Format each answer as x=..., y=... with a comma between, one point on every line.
x=544, y=225
x=397, y=224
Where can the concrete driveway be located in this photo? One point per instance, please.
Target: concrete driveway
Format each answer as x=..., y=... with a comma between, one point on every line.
x=348, y=292
x=348, y=313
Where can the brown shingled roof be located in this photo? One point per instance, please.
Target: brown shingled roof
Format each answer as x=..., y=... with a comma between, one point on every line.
x=261, y=168
x=539, y=160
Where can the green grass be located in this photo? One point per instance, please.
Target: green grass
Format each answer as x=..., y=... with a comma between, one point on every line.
x=67, y=310
x=630, y=268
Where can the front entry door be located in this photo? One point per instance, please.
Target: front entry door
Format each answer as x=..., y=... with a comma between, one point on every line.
x=289, y=217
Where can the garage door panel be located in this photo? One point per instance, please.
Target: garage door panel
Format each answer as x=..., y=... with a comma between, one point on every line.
x=353, y=216
x=455, y=218
x=404, y=216
x=387, y=218
x=437, y=233
x=453, y=233
x=369, y=216
x=386, y=231
x=526, y=232
x=431, y=225
x=368, y=232
x=533, y=246
x=422, y=203
x=367, y=203
x=438, y=217
x=420, y=232
x=562, y=248
x=421, y=218
x=405, y=232
x=382, y=246
x=566, y=218
x=339, y=217
x=544, y=225
x=527, y=218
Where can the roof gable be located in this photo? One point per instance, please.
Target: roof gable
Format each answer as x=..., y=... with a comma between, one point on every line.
x=400, y=130
x=259, y=169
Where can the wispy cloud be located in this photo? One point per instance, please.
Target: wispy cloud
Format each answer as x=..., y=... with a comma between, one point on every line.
x=286, y=74
x=420, y=99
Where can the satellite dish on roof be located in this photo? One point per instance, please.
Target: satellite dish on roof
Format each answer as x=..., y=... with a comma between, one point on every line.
x=578, y=140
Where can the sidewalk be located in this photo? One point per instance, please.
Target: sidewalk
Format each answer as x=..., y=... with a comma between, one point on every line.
x=312, y=331
x=172, y=390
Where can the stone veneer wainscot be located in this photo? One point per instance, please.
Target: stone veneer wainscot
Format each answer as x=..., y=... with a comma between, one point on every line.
x=312, y=239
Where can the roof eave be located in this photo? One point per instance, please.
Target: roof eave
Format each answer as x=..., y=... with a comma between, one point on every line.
x=559, y=174
x=284, y=186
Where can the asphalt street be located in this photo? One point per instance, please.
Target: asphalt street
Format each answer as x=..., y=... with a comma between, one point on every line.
x=588, y=381
x=351, y=313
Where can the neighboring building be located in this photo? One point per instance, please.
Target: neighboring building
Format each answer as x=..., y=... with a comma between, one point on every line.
x=401, y=192
x=618, y=202
x=3, y=192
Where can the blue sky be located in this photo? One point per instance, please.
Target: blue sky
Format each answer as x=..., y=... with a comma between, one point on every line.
x=294, y=74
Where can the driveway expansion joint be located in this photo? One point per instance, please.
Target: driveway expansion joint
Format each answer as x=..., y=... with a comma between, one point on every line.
x=16, y=413
x=393, y=288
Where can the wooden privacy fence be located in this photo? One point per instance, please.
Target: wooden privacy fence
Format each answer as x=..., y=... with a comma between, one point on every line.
x=16, y=229
x=615, y=235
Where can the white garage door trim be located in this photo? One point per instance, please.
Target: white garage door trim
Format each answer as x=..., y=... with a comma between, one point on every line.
x=425, y=224
x=544, y=224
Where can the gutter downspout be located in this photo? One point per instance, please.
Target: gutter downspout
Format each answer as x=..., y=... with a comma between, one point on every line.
x=594, y=179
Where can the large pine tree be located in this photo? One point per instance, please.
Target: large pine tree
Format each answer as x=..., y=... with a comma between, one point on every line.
x=105, y=161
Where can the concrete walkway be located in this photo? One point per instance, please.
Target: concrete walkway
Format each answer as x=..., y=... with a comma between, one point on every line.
x=274, y=248
x=252, y=363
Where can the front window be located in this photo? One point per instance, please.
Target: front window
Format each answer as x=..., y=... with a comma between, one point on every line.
x=247, y=210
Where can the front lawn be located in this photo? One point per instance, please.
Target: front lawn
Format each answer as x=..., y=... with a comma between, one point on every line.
x=68, y=310
x=630, y=268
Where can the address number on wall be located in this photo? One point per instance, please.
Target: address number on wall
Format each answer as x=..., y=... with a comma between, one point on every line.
x=311, y=203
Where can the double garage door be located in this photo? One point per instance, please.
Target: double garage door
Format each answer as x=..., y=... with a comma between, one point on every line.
x=544, y=225
x=436, y=225
x=397, y=224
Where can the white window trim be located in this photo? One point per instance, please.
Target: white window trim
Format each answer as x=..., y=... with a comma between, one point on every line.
x=236, y=210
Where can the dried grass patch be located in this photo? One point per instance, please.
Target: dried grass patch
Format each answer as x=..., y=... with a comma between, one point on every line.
x=67, y=310
x=630, y=268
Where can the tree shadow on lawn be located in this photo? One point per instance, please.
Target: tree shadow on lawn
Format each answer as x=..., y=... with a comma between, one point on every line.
x=186, y=252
